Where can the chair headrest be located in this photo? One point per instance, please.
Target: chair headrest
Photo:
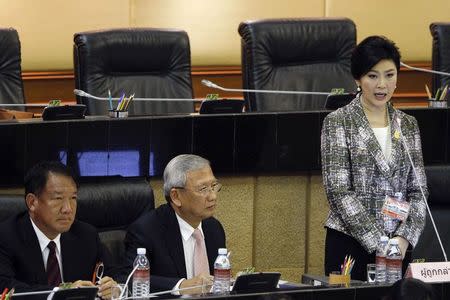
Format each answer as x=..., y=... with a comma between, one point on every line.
x=113, y=202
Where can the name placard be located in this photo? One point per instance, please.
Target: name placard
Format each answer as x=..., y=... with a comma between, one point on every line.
x=429, y=271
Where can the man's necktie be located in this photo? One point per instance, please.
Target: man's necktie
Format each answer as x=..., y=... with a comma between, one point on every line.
x=53, y=272
x=201, y=264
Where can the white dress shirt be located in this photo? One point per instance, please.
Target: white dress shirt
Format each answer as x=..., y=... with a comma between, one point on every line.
x=188, y=247
x=43, y=243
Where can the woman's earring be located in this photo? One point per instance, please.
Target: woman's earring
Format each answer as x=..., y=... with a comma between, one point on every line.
x=358, y=89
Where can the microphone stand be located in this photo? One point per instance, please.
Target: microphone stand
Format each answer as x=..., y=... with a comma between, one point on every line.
x=424, y=70
x=421, y=190
x=215, y=86
x=82, y=93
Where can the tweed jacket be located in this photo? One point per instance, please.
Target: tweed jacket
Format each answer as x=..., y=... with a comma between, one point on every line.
x=357, y=176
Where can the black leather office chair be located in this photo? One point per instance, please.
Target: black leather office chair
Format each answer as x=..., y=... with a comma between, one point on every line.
x=440, y=54
x=295, y=55
x=11, y=86
x=438, y=180
x=151, y=63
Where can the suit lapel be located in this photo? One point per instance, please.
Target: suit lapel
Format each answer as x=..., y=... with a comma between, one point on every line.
x=33, y=249
x=173, y=241
x=397, y=150
x=69, y=255
x=211, y=248
x=365, y=133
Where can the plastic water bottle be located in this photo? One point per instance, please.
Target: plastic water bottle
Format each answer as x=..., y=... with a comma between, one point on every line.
x=391, y=224
x=222, y=273
x=141, y=277
x=393, y=262
x=380, y=259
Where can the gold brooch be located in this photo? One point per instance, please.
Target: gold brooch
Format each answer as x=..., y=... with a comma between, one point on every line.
x=397, y=134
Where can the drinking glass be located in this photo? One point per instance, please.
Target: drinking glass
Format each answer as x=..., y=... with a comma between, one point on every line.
x=119, y=291
x=371, y=273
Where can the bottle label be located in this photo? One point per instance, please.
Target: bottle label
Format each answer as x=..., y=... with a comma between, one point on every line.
x=222, y=273
x=394, y=263
x=141, y=273
x=380, y=260
x=395, y=208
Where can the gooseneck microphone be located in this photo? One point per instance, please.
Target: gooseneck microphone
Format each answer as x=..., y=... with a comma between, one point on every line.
x=215, y=86
x=420, y=187
x=22, y=105
x=424, y=70
x=82, y=93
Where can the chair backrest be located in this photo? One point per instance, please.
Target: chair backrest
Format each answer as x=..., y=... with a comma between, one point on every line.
x=110, y=204
x=151, y=63
x=440, y=60
x=438, y=180
x=296, y=55
x=11, y=86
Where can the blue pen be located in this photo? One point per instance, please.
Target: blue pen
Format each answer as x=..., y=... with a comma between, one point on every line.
x=110, y=100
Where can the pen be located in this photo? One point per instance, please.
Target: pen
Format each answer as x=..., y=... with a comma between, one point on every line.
x=110, y=100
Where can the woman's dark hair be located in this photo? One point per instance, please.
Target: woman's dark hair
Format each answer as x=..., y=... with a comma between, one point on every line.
x=410, y=289
x=371, y=51
x=36, y=178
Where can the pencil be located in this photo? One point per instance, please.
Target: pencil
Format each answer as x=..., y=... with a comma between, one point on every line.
x=428, y=91
x=4, y=293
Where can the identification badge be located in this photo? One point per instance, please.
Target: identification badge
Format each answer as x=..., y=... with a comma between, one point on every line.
x=395, y=208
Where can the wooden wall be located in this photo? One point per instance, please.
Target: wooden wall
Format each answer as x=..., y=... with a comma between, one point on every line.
x=46, y=27
x=40, y=87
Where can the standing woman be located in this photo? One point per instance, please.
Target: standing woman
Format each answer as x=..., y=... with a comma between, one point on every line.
x=364, y=161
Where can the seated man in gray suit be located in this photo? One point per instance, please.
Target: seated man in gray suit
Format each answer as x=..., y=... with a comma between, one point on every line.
x=177, y=233
x=45, y=246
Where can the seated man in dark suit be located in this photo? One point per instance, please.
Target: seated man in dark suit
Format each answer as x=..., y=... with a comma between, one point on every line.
x=44, y=246
x=176, y=233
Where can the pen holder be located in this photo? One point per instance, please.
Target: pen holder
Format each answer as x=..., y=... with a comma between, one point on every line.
x=339, y=279
x=118, y=113
x=437, y=103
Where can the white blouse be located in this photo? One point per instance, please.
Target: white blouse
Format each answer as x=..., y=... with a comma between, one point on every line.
x=384, y=139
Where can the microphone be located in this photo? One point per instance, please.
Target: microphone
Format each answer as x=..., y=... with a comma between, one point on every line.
x=21, y=105
x=424, y=70
x=420, y=187
x=82, y=93
x=216, y=86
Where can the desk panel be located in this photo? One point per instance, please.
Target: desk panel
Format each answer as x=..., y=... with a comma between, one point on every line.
x=256, y=143
x=168, y=138
x=13, y=147
x=141, y=146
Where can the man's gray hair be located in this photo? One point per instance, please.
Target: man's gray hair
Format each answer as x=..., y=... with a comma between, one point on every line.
x=176, y=169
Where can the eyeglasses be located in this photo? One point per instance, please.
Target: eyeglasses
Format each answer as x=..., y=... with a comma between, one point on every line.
x=99, y=268
x=205, y=190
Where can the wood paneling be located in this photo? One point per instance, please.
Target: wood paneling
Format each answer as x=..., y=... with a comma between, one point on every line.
x=40, y=87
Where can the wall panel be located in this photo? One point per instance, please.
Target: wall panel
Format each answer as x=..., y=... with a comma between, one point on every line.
x=406, y=22
x=212, y=24
x=46, y=27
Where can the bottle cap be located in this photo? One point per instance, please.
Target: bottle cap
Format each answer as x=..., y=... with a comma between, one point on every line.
x=141, y=251
x=384, y=238
x=223, y=251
